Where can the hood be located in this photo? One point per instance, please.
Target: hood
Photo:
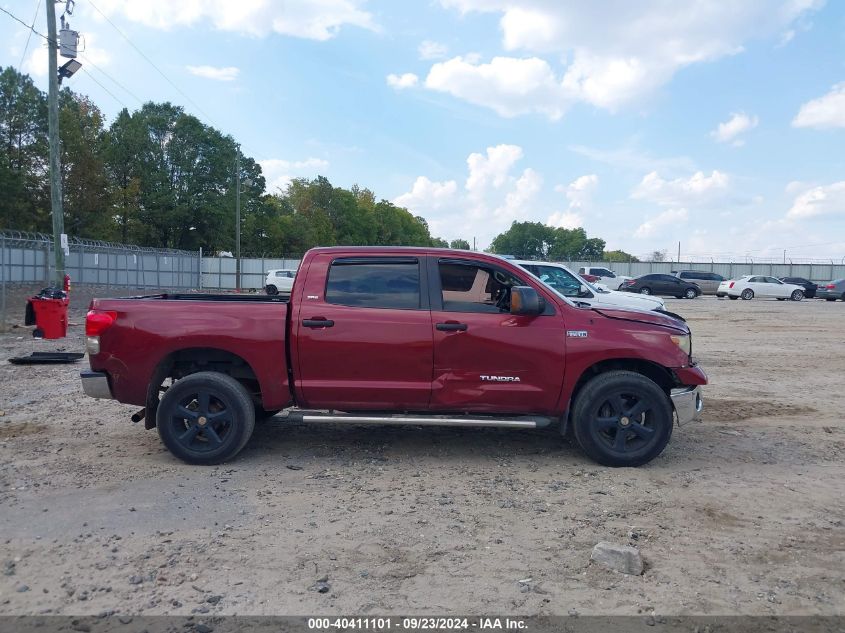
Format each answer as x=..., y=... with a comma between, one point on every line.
x=650, y=317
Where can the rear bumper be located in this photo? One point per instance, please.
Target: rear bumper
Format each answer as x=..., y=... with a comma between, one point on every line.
x=687, y=403
x=95, y=384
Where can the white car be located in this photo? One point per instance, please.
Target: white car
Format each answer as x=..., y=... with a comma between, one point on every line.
x=563, y=281
x=606, y=277
x=279, y=280
x=750, y=286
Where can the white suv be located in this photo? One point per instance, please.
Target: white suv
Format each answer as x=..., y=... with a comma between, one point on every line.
x=279, y=280
x=606, y=277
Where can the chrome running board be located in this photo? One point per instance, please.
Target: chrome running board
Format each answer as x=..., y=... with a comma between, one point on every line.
x=527, y=422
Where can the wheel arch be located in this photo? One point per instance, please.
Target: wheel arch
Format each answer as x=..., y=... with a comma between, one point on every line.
x=659, y=374
x=191, y=360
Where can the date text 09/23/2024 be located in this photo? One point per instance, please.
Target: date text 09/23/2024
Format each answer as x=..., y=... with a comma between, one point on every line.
x=416, y=623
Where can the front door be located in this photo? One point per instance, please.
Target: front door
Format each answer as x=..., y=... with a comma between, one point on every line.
x=485, y=359
x=364, y=339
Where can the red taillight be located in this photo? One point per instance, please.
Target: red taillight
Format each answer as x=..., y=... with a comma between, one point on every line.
x=830, y=286
x=630, y=282
x=98, y=321
x=732, y=284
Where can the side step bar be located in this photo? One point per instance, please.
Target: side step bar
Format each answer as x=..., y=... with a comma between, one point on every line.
x=521, y=422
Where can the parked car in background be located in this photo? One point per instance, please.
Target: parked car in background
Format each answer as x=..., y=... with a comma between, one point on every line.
x=750, y=286
x=808, y=286
x=605, y=276
x=832, y=291
x=563, y=281
x=279, y=280
x=593, y=279
x=659, y=284
x=708, y=282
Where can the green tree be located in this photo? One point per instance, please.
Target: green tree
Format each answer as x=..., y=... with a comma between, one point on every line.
x=536, y=241
x=85, y=186
x=24, y=186
x=618, y=256
x=459, y=244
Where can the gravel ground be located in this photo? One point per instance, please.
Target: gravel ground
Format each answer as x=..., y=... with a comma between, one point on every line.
x=743, y=513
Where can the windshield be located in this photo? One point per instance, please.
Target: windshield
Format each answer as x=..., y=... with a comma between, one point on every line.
x=563, y=282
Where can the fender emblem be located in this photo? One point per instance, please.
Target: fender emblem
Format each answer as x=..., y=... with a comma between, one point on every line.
x=500, y=378
x=576, y=333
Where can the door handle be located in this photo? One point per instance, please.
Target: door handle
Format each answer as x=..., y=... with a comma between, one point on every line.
x=317, y=322
x=451, y=327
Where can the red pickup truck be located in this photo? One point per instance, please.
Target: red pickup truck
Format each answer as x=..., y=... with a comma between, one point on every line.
x=392, y=335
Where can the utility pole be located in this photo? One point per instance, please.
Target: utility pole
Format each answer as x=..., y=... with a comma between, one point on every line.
x=679, y=252
x=55, y=167
x=238, y=221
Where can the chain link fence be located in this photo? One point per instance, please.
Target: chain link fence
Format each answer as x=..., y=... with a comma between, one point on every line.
x=26, y=259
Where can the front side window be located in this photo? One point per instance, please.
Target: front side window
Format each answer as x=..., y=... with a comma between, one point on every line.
x=376, y=284
x=475, y=288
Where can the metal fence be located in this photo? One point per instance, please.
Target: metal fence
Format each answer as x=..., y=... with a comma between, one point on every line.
x=27, y=258
x=219, y=272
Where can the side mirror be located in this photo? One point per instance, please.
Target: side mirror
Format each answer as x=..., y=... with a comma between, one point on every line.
x=525, y=301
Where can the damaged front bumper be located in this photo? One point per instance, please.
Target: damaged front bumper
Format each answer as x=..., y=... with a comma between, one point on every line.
x=687, y=403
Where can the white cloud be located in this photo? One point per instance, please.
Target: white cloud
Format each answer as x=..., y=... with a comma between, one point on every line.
x=224, y=73
x=611, y=53
x=278, y=172
x=508, y=85
x=429, y=49
x=310, y=19
x=730, y=130
x=826, y=112
x=818, y=201
x=655, y=224
x=697, y=190
x=493, y=196
x=427, y=195
x=406, y=80
x=579, y=193
x=491, y=168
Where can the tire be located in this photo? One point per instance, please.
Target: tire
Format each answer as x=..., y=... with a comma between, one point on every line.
x=270, y=289
x=747, y=294
x=690, y=293
x=826, y=299
x=184, y=424
x=39, y=333
x=780, y=299
x=796, y=295
x=645, y=290
x=732, y=298
x=843, y=296
x=602, y=419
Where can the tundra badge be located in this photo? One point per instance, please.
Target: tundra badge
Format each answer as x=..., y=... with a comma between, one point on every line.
x=576, y=333
x=500, y=378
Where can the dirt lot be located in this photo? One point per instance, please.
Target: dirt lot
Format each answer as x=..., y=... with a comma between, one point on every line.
x=743, y=513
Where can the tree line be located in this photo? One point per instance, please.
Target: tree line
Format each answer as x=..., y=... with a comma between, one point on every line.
x=160, y=177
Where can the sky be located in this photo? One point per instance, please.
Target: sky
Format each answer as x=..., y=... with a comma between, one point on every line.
x=719, y=125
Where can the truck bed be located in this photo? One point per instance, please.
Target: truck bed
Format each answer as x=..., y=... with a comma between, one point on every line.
x=156, y=330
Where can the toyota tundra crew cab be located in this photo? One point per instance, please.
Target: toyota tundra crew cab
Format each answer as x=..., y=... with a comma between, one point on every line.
x=392, y=335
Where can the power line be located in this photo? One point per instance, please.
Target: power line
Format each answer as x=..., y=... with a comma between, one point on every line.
x=94, y=79
x=17, y=19
x=115, y=81
x=149, y=61
x=31, y=30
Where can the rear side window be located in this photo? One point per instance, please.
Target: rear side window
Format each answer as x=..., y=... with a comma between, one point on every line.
x=375, y=284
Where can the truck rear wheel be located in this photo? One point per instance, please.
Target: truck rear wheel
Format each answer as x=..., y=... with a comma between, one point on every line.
x=622, y=418
x=205, y=418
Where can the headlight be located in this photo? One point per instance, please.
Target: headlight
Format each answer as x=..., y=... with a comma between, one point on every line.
x=684, y=342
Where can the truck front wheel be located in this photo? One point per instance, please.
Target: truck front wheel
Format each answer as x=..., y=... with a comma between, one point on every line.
x=622, y=418
x=205, y=418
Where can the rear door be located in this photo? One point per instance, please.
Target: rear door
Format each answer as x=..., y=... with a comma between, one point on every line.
x=363, y=334
x=485, y=359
